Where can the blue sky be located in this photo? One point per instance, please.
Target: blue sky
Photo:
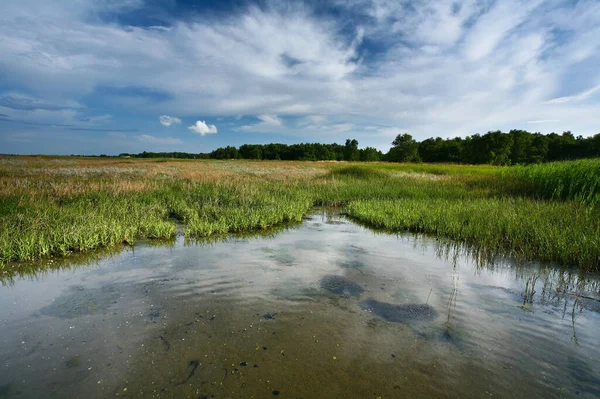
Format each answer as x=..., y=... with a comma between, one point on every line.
x=109, y=76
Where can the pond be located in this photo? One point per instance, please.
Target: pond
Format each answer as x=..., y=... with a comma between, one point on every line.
x=324, y=309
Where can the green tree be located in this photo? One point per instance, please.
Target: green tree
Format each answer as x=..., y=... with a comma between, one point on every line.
x=370, y=154
x=521, y=143
x=595, y=145
x=538, y=151
x=251, y=151
x=404, y=149
x=351, y=152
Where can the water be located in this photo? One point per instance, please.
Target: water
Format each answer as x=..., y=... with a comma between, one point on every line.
x=323, y=310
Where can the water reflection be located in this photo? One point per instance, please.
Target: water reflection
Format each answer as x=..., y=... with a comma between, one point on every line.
x=324, y=309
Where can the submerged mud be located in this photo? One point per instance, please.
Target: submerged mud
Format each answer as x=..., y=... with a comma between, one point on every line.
x=341, y=286
x=399, y=313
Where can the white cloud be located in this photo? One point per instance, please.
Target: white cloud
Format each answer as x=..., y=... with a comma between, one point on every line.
x=337, y=128
x=578, y=97
x=158, y=140
x=267, y=123
x=271, y=120
x=543, y=121
x=437, y=67
x=167, y=121
x=312, y=120
x=494, y=25
x=202, y=128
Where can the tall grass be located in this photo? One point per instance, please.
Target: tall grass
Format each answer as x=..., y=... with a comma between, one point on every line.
x=570, y=180
x=522, y=228
x=79, y=225
x=52, y=208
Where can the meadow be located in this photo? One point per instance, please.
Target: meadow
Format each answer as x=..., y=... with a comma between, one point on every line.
x=56, y=206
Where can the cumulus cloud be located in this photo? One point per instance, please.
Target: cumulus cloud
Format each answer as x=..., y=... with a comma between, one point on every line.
x=167, y=121
x=202, y=128
x=158, y=140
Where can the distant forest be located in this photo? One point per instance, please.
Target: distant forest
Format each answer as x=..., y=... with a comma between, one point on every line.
x=496, y=148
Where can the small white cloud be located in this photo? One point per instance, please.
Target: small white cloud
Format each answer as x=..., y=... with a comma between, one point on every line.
x=269, y=120
x=312, y=120
x=159, y=140
x=167, y=120
x=202, y=128
x=578, y=97
x=560, y=100
x=337, y=128
x=544, y=121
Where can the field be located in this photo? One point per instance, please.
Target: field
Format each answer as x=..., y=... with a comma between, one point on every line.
x=55, y=206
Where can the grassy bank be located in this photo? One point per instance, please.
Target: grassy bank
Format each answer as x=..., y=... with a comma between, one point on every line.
x=55, y=206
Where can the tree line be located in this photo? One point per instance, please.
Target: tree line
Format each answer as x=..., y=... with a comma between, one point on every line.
x=284, y=152
x=496, y=148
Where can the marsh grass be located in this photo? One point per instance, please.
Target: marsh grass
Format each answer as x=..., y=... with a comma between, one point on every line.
x=52, y=208
x=569, y=180
x=521, y=228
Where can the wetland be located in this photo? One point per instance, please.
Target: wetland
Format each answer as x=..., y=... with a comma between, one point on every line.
x=325, y=308
x=241, y=279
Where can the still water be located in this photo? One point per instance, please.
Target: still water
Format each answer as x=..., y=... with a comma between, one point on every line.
x=326, y=309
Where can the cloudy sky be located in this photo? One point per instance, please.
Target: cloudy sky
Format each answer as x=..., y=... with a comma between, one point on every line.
x=111, y=76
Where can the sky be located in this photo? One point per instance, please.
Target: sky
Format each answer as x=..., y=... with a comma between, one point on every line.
x=114, y=76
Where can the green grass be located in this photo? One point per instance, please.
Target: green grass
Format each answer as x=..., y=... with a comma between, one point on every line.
x=80, y=225
x=521, y=228
x=572, y=180
x=52, y=208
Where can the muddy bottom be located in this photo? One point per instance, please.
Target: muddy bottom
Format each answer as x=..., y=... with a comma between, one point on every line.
x=325, y=310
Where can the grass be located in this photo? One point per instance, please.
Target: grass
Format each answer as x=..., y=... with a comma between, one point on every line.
x=57, y=206
x=521, y=228
x=571, y=180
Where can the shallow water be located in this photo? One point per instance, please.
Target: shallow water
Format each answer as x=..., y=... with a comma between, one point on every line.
x=323, y=310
